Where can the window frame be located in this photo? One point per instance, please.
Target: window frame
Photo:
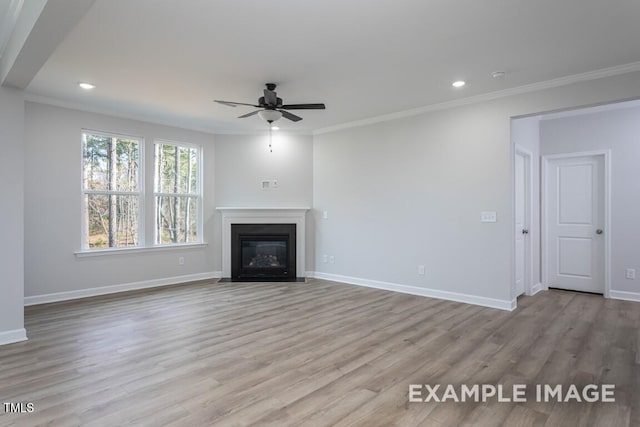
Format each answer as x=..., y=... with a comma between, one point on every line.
x=198, y=195
x=84, y=242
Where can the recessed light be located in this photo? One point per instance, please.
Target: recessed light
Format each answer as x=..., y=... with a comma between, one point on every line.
x=275, y=128
x=86, y=86
x=498, y=74
x=458, y=83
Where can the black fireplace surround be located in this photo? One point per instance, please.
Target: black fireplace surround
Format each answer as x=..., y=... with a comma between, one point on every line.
x=263, y=252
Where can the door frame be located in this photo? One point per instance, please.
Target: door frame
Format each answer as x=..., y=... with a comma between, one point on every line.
x=528, y=216
x=606, y=154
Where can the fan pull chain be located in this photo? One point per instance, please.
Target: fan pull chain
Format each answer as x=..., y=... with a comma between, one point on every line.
x=270, y=138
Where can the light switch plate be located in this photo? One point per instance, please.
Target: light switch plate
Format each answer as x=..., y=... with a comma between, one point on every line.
x=266, y=185
x=488, y=216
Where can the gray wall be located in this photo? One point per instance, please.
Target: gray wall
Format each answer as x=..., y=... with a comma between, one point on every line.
x=53, y=200
x=11, y=214
x=618, y=130
x=244, y=161
x=410, y=191
x=234, y=167
x=398, y=194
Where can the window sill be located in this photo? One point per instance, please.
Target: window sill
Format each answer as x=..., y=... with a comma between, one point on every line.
x=123, y=251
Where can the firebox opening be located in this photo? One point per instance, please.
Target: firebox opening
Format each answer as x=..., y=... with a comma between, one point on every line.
x=263, y=252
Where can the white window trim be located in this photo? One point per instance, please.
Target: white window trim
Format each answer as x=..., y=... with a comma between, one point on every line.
x=198, y=195
x=140, y=249
x=85, y=249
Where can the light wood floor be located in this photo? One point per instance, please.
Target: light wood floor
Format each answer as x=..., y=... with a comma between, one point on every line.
x=316, y=353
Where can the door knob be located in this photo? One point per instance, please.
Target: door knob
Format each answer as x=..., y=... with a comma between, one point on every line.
x=525, y=231
x=598, y=231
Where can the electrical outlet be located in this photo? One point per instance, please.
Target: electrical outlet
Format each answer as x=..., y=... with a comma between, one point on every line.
x=325, y=215
x=421, y=270
x=332, y=259
x=181, y=260
x=631, y=273
x=325, y=258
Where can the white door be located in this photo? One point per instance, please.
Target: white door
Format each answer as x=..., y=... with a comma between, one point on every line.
x=575, y=223
x=521, y=221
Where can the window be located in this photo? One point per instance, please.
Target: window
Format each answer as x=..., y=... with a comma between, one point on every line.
x=177, y=193
x=111, y=187
x=116, y=204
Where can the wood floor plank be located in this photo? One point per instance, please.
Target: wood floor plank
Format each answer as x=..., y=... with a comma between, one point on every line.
x=314, y=354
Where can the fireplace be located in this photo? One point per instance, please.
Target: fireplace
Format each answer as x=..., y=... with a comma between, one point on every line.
x=263, y=252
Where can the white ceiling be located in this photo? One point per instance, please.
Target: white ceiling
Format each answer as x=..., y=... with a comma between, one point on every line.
x=167, y=60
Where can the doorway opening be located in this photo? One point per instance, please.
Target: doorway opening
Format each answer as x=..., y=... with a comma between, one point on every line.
x=583, y=169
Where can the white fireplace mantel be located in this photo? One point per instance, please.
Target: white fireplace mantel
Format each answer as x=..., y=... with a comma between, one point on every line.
x=263, y=215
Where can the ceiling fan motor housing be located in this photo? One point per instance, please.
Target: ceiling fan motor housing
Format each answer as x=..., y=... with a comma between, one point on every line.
x=263, y=103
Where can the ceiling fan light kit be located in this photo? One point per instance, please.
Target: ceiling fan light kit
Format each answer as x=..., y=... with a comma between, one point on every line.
x=269, y=115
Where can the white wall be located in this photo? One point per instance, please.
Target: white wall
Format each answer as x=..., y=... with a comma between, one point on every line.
x=53, y=206
x=11, y=215
x=410, y=191
x=244, y=161
x=525, y=133
x=618, y=130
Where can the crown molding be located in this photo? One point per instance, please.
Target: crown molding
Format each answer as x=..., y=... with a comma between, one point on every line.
x=143, y=118
x=562, y=81
x=518, y=90
x=108, y=112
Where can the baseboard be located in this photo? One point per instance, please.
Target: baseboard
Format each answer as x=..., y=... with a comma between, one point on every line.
x=627, y=296
x=415, y=290
x=105, y=290
x=536, y=288
x=15, y=335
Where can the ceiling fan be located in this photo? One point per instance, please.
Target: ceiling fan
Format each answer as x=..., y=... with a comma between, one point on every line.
x=273, y=107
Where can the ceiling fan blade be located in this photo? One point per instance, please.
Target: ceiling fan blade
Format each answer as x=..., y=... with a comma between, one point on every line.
x=233, y=104
x=271, y=97
x=249, y=114
x=290, y=116
x=303, y=107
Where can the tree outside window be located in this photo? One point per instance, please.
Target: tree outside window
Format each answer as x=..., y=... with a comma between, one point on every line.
x=111, y=191
x=177, y=193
